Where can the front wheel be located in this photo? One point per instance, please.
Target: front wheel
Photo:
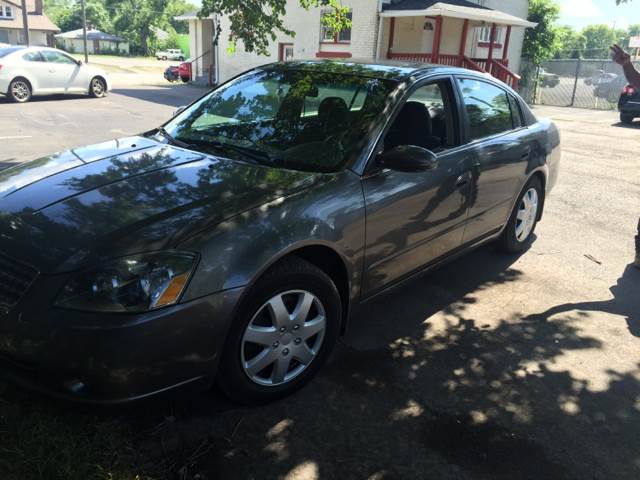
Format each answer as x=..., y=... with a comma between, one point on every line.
x=97, y=88
x=518, y=234
x=20, y=90
x=284, y=333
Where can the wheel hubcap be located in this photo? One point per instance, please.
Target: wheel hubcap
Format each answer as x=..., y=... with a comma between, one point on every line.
x=283, y=338
x=527, y=214
x=97, y=87
x=20, y=90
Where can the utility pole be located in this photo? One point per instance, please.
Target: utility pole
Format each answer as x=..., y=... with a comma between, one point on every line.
x=25, y=22
x=84, y=31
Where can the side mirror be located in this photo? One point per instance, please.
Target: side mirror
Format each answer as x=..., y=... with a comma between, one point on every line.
x=408, y=158
x=79, y=62
x=179, y=110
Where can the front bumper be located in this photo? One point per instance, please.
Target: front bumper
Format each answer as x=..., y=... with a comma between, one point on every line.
x=114, y=358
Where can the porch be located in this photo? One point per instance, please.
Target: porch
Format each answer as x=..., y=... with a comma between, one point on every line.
x=460, y=34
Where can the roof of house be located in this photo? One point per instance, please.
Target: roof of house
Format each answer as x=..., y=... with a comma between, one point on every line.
x=424, y=4
x=453, y=9
x=92, y=34
x=35, y=20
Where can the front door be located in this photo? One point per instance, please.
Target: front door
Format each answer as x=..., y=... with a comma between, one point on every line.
x=65, y=75
x=415, y=218
x=285, y=52
x=500, y=149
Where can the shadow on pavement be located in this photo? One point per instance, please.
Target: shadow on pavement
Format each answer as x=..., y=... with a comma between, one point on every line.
x=632, y=126
x=172, y=95
x=50, y=98
x=418, y=389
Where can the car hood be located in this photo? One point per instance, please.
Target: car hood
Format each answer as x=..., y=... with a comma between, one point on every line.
x=126, y=196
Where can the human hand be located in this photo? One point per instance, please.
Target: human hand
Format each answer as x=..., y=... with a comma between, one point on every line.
x=619, y=56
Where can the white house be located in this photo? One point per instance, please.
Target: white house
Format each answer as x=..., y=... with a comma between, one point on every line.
x=41, y=29
x=484, y=35
x=97, y=42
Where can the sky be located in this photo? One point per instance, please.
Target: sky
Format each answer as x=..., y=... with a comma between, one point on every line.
x=579, y=13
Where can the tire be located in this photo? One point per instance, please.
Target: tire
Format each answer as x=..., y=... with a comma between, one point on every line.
x=278, y=350
x=181, y=59
x=164, y=57
x=626, y=119
x=510, y=240
x=19, y=90
x=97, y=87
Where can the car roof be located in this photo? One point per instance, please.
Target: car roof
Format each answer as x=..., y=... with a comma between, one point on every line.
x=382, y=69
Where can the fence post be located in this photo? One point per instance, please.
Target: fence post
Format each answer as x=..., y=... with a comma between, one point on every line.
x=575, y=83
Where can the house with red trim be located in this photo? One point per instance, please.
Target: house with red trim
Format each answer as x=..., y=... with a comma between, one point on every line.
x=483, y=35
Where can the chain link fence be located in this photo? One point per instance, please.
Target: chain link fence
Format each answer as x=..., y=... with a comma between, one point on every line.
x=573, y=83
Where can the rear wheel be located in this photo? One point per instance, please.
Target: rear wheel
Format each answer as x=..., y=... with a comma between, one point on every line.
x=518, y=234
x=97, y=88
x=626, y=119
x=20, y=90
x=284, y=333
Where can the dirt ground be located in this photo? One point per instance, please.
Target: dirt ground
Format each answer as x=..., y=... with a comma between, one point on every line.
x=493, y=367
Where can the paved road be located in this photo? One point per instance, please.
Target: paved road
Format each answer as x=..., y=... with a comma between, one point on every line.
x=494, y=367
x=50, y=124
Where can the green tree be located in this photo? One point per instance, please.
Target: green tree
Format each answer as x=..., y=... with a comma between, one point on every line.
x=543, y=41
x=598, y=40
x=256, y=23
x=176, y=8
x=572, y=43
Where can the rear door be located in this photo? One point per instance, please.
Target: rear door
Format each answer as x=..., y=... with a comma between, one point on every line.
x=415, y=218
x=501, y=146
x=34, y=63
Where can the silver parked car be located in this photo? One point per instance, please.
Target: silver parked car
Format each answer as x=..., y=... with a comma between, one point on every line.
x=29, y=71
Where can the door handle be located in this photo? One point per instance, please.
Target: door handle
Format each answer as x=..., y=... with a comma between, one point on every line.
x=463, y=180
x=526, y=153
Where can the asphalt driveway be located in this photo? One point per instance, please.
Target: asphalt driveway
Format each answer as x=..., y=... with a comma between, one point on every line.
x=493, y=367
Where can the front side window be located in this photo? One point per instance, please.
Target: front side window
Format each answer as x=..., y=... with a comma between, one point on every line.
x=297, y=119
x=57, y=57
x=488, y=109
x=329, y=35
x=425, y=120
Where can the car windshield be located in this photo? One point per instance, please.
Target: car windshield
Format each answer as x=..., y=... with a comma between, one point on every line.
x=296, y=119
x=8, y=50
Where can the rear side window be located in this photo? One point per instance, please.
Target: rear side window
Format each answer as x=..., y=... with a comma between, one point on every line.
x=33, y=57
x=488, y=108
x=516, y=112
x=9, y=50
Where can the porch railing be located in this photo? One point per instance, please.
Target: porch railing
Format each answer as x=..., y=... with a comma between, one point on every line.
x=496, y=67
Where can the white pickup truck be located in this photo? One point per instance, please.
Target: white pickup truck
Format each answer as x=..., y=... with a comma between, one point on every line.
x=170, y=54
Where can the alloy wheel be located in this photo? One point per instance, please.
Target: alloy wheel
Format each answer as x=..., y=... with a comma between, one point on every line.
x=97, y=87
x=527, y=215
x=283, y=338
x=20, y=90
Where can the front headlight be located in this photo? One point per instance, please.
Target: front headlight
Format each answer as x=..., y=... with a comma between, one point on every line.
x=131, y=284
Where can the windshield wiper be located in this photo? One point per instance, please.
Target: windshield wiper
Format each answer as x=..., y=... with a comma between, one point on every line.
x=173, y=140
x=258, y=156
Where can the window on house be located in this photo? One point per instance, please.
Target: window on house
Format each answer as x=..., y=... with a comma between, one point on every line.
x=329, y=35
x=6, y=11
x=484, y=34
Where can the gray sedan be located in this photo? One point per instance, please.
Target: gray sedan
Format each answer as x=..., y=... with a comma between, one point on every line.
x=233, y=244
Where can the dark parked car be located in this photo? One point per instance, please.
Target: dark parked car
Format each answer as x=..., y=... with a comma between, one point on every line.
x=234, y=243
x=629, y=104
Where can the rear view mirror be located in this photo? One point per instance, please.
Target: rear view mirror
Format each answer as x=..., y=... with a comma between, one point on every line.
x=179, y=110
x=408, y=158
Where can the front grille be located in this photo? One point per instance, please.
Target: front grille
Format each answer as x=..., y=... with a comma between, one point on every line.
x=15, y=279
